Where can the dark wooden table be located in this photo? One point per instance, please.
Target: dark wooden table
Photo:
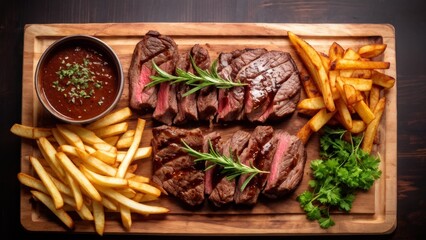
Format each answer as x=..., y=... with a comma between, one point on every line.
x=408, y=18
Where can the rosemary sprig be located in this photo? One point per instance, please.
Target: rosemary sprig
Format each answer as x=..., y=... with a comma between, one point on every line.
x=231, y=169
x=204, y=78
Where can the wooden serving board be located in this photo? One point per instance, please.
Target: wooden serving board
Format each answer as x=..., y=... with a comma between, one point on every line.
x=374, y=212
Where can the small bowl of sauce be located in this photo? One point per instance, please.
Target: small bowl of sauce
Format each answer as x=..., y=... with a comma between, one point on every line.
x=79, y=79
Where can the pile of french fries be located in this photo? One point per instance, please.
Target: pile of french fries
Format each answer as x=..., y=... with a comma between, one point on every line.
x=344, y=87
x=91, y=170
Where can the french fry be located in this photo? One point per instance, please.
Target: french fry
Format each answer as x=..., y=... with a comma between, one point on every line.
x=382, y=79
x=314, y=64
x=374, y=97
x=371, y=131
x=111, y=140
x=85, y=184
x=124, y=142
x=58, y=137
x=343, y=112
x=333, y=76
x=359, y=84
x=335, y=52
x=89, y=137
x=304, y=133
x=60, y=213
x=96, y=164
x=126, y=216
x=107, y=157
x=315, y=103
x=103, y=180
x=320, y=119
x=342, y=64
x=364, y=112
x=352, y=95
x=141, y=153
x=309, y=86
x=351, y=55
x=112, y=118
x=48, y=183
x=76, y=191
x=122, y=169
x=134, y=206
x=30, y=132
x=69, y=136
x=49, y=154
x=111, y=130
x=358, y=126
x=361, y=73
x=371, y=50
x=144, y=188
x=98, y=217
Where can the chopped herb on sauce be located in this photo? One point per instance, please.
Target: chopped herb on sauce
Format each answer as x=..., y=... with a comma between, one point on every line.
x=80, y=77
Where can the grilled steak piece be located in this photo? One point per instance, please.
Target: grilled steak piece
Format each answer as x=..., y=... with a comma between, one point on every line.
x=231, y=101
x=209, y=179
x=187, y=106
x=163, y=51
x=287, y=166
x=223, y=190
x=264, y=77
x=260, y=136
x=207, y=97
x=173, y=169
x=166, y=107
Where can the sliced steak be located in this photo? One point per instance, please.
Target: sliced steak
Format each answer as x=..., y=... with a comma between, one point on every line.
x=223, y=190
x=287, y=166
x=173, y=169
x=166, y=107
x=187, y=106
x=265, y=77
x=260, y=136
x=207, y=97
x=209, y=178
x=231, y=101
x=163, y=51
x=286, y=98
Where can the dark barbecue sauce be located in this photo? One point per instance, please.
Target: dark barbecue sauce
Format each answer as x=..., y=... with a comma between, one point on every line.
x=79, y=82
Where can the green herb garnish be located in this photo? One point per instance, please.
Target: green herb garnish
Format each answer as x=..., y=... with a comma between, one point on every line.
x=79, y=77
x=205, y=78
x=230, y=168
x=344, y=169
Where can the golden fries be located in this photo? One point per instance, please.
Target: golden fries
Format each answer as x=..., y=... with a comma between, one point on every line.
x=313, y=62
x=82, y=169
x=30, y=132
x=356, y=82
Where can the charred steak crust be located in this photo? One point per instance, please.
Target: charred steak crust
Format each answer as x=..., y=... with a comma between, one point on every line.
x=286, y=171
x=163, y=51
x=261, y=135
x=173, y=169
x=272, y=93
x=223, y=190
x=277, y=152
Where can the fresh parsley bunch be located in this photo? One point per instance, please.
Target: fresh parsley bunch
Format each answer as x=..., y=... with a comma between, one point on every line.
x=344, y=169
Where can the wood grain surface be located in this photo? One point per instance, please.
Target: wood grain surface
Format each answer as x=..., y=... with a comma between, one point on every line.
x=374, y=212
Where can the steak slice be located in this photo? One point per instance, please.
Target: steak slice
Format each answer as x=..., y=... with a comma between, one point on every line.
x=260, y=136
x=153, y=46
x=287, y=166
x=166, y=108
x=223, y=190
x=264, y=77
x=187, y=106
x=231, y=101
x=209, y=179
x=174, y=170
